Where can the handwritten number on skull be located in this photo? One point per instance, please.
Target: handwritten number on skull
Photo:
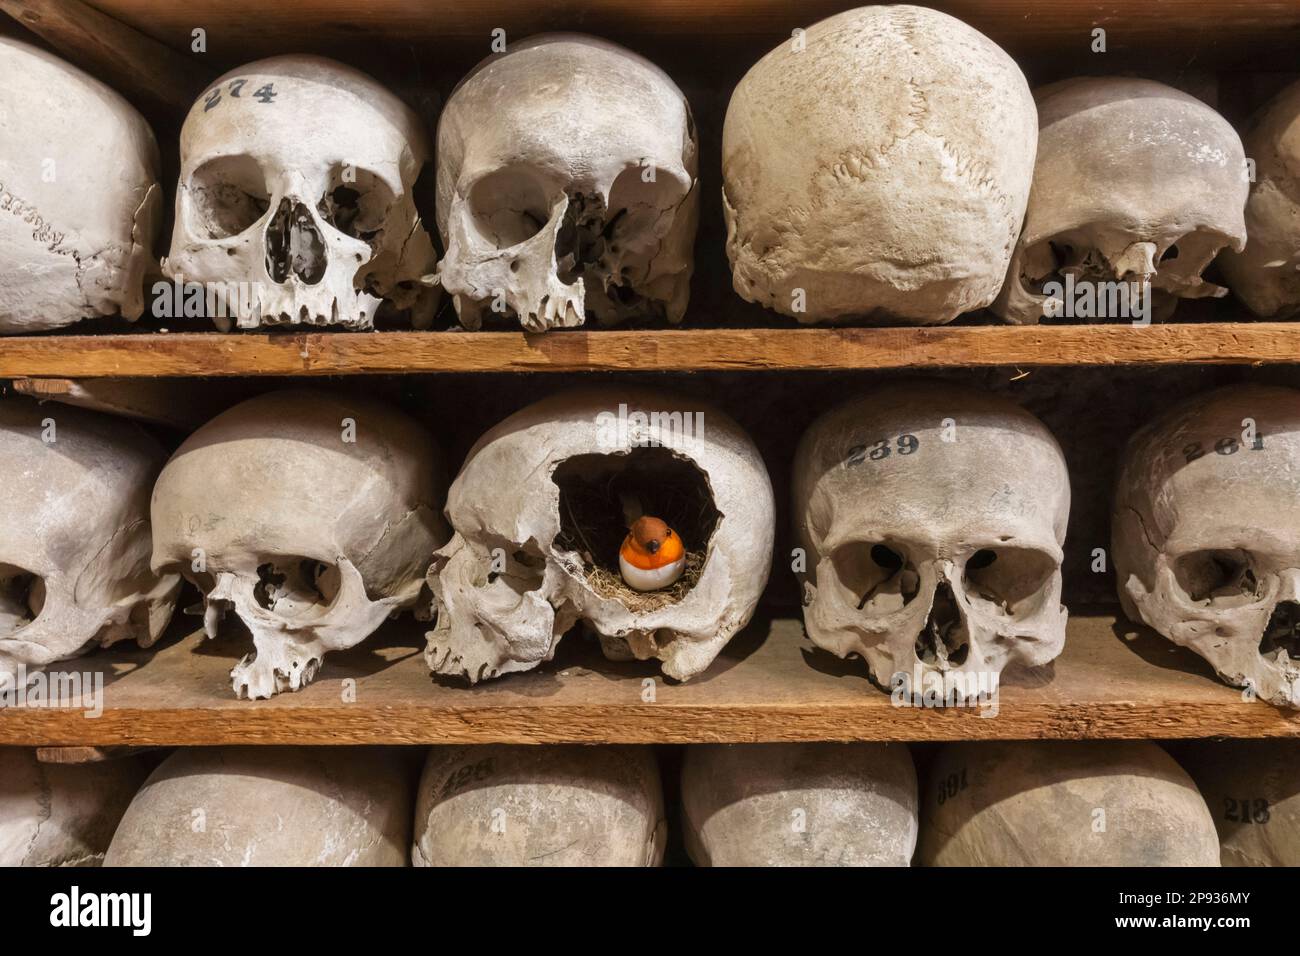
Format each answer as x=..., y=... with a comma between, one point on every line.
x=263, y=94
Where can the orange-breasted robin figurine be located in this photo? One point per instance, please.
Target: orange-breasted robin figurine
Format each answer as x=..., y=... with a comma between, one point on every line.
x=652, y=555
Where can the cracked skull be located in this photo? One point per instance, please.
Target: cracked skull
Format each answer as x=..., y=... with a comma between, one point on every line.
x=877, y=167
x=311, y=516
x=539, y=509
x=1207, y=534
x=1266, y=275
x=76, y=233
x=1135, y=181
x=933, y=519
x=295, y=198
x=74, y=535
x=566, y=187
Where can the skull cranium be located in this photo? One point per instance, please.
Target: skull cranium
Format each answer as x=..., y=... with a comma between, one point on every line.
x=311, y=515
x=933, y=518
x=566, y=185
x=1207, y=534
x=1135, y=181
x=295, y=197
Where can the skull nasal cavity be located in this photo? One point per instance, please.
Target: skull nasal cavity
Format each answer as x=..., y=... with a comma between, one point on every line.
x=1282, y=634
x=294, y=244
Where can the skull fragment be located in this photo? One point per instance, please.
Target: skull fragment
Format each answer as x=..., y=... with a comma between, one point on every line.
x=1135, y=181
x=312, y=516
x=1206, y=534
x=877, y=167
x=539, y=510
x=76, y=232
x=74, y=536
x=933, y=519
x=295, y=198
x=566, y=186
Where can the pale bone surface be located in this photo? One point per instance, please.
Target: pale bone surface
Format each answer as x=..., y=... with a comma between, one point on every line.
x=819, y=804
x=296, y=180
x=1135, y=181
x=76, y=230
x=539, y=806
x=1266, y=275
x=926, y=555
x=311, y=540
x=567, y=187
x=1063, y=803
x=74, y=550
x=506, y=501
x=270, y=806
x=1206, y=534
x=1252, y=788
x=882, y=169
x=61, y=814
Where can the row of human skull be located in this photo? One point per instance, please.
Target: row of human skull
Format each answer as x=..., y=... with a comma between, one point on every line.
x=567, y=185
x=930, y=522
x=997, y=803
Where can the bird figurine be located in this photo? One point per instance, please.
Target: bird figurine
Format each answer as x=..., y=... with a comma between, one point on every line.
x=652, y=556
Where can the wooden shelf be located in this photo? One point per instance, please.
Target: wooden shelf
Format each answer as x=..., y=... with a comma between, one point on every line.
x=205, y=354
x=770, y=684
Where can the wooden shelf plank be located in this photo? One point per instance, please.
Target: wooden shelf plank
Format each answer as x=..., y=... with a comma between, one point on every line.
x=1113, y=681
x=203, y=354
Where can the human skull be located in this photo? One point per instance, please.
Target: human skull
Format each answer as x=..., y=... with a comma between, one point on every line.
x=1266, y=275
x=309, y=514
x=540, y=507
x=566, y=185
x=295, y=197
x=1135, y=181
x=1062, y=803
x=819, y=804
x=933, y=519
x=877, y=166
x=539, y=806
x=1206, y=534
x=270, y=806
x=1252, y=788
x=76, y=232
x=61, y=814
x=74, y=537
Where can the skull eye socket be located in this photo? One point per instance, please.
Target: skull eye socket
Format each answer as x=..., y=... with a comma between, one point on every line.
x=878, y=578
x=227, y=196
x=22, y=597
x=297, y=588
x=356, y=203
x=509, y=206
x=1008, y=581
x=1223, y=578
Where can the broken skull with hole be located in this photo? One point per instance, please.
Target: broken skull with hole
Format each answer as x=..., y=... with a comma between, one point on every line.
x=1207, y=534
x=540, y=509
x=296, y=181
x=933, y=519
x=311, y=516
x=567, y=187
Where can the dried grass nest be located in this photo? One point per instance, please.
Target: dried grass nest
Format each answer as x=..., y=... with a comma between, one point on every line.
x=609, y=584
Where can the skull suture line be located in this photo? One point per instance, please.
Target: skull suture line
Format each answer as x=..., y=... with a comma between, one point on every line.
x=566, y=186
x=1266, y=275
x=74, y=535
x=1135, y=181
x=933, y=519
x=312, y=516
x=296, y=180
x=1207, y=534
x=76, y=231
x=877, y=167
x=539, y=511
